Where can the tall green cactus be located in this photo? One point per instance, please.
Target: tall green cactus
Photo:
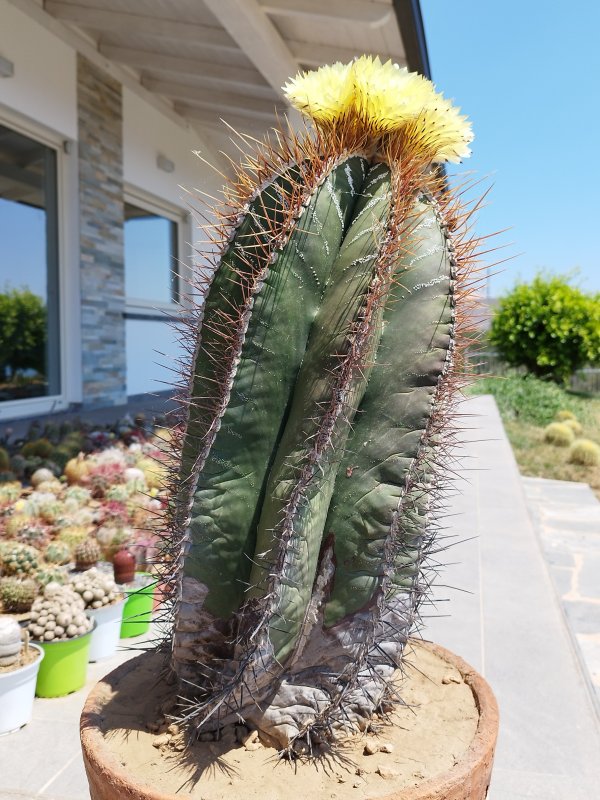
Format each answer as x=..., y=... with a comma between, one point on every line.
x=318, y=396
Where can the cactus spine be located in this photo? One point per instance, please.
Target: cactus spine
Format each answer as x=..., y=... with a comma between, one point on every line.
x=318, y=398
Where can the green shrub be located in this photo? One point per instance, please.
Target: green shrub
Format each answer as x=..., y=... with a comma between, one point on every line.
x=585, y=453
x=549, y=327
x=530, y=399
x=559, y=434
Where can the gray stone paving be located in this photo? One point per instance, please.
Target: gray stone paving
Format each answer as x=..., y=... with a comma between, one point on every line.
x=566, y=518
x=504, y=616
x=510, y=625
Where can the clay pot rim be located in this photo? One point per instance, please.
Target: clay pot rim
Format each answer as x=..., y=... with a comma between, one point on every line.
x=97, y=755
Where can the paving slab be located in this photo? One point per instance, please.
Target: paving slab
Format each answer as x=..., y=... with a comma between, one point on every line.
x=512, y=626
x=566, y=518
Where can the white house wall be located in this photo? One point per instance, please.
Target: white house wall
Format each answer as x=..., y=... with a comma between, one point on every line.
x=44, y=85
x=151, y=344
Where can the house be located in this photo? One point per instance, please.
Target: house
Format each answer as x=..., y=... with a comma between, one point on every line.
x=103, y=104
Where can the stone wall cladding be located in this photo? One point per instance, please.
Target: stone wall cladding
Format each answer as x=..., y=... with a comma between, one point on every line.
x=100, y=121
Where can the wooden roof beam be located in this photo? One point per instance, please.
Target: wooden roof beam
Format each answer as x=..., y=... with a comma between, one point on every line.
x=104, y=20
x=248, y=25
x=194, y=95
x=237, y=116
x=161, y=62
x=315, y=55
x=373, y=15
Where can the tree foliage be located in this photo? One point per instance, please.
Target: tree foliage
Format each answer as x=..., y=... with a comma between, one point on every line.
x=549, y=327
x=22, y=331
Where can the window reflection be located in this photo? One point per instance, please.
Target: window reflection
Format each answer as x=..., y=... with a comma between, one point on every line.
x=29, y=323
x=150, y=256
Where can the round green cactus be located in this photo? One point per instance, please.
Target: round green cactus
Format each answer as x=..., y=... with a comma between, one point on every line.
x=20, y=559
x=585, y=452
x=17, y=596
x=559, y=434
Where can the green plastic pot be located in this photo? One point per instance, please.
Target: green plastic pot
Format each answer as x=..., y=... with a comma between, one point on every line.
x=64, y=667
x=137, y=613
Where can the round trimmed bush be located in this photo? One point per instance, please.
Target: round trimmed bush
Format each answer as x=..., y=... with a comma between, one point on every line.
x=559, y=434
x=585, y=453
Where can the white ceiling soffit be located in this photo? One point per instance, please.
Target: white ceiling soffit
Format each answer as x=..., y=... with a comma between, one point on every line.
x=212, y=59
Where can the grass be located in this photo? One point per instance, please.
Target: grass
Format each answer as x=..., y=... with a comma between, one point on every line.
x=527, y=405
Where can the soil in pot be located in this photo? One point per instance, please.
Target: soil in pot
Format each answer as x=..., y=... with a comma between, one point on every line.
x=428, y=737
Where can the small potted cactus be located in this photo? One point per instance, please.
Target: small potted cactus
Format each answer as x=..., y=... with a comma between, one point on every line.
x=104, y=604
x=17, y=595
x=19, y=665
x=319, y=396
x=87, y=554
x=20, y=559
x=61, y=627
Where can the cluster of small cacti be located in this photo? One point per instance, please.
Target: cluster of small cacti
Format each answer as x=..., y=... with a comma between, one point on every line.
x=96, y=588
x=565, y=432
x=10, y=641
x=58, y=614
x=17, y=595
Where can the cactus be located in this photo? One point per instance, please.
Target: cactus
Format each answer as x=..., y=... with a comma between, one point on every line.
x=4, y=460
x=40, y=448
x=585, y=453
x=87, y=554
x=50, y=574
x=318, y=401
x=563, y=415
x=59, y=614
x=96, y=589
x=559, y=434
x=58, y=553
x=575, y=426
x=73, y=535
x=20, y=559
x=10, y=641
x=17, y=595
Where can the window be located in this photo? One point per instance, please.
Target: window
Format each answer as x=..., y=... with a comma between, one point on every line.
x=29, y=287
x=153, y=285
x=151, y=257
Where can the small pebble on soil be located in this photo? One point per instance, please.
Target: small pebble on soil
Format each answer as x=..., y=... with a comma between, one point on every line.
x=451, y=679
x=387, y=773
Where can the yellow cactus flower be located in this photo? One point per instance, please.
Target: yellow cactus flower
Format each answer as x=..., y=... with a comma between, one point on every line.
x=443, y=131
x=386, y=97
x=386, y=100
x=325, y=94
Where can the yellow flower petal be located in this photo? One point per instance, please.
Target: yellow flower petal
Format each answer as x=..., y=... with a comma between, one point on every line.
x=325, y=94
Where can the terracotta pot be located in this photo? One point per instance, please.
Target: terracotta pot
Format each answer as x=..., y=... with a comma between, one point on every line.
x=467, y=780
x=124, y=566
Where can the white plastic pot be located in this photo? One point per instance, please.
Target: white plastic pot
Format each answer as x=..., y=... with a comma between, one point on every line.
x=17, y=689
x=105, y=637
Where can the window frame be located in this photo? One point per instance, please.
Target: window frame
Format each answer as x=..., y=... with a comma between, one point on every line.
x=69, y=345
x=143, y=308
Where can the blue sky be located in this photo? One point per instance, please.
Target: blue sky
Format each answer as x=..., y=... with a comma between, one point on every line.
x=528, y=75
